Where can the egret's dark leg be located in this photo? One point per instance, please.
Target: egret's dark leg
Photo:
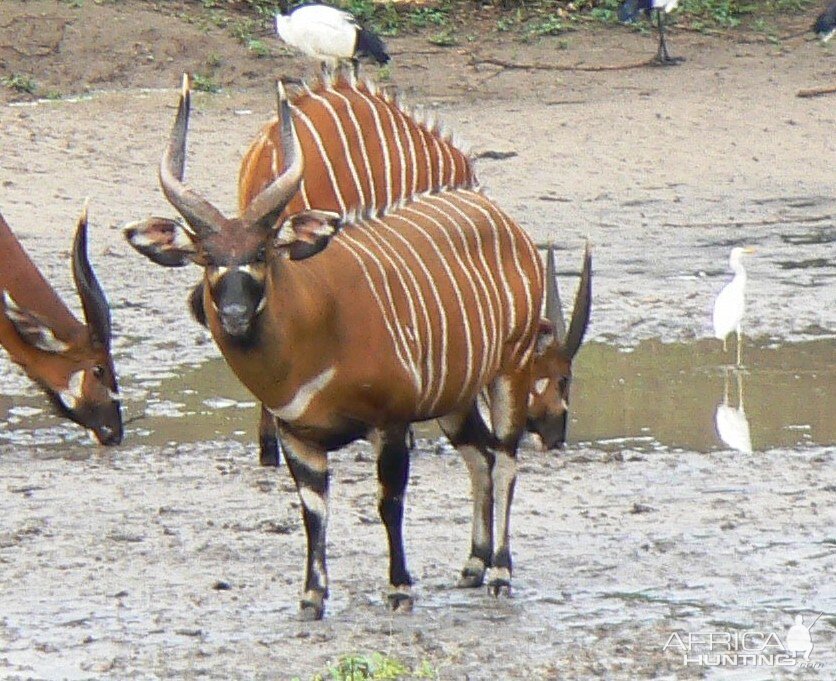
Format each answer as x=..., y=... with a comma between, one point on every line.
x=662, y=55
x=270, y=449
x=392, y=475
x=660, y=58
x=326, y=72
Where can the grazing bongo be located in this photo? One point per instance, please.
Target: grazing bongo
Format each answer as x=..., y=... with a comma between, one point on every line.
x=548, y=403
x=71, y=361
x=355, y=328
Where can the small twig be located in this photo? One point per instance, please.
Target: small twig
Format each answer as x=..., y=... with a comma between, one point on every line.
x=816, y=91
x=752, y=223
x=491, y=61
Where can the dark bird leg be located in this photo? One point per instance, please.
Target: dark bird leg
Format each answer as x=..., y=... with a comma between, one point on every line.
x=326, y=72
x=663, y=58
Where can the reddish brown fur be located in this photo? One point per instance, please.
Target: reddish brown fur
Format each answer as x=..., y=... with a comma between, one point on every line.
x=258, y=167
x=27, y=287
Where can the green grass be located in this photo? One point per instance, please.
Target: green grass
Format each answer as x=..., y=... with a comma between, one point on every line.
x=373, y=667
x=250, y=21
x=205, y=83
x=19, y=83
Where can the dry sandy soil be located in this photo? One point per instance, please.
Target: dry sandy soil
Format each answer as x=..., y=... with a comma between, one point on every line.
x=111, y=562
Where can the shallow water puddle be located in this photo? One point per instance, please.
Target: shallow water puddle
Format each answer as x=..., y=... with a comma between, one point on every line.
x=677, y=395
x=654, y=396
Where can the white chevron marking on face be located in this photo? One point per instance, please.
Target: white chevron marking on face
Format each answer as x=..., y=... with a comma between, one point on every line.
x=72, y=395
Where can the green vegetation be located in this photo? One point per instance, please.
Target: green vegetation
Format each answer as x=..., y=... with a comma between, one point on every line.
x=444, y=38
x=250, y=21
x=19, y=83
x=205, y=83
x=374, y=667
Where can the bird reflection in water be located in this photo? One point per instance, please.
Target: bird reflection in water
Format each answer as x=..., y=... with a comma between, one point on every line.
x=732, y=424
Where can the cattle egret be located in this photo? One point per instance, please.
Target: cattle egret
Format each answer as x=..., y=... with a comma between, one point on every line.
x=730, y=303
x=629, y=10
x=330, y=35
x=732, y=424
x=825, y=25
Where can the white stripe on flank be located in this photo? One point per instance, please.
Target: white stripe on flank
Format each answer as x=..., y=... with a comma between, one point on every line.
x=485, y=306
x=384, y=148
x=451, y=172
x=297, y=407
x=425, y=359
x=422, y=137
x=476, y=202
x=401, y=154
x=392, y=325
x=532, y=315
x=408, y=126
x=419, y=211
x=437, y=146
x=324, y=156
x=303, y=190
x=338, y=123
x=402, y=128
x=368, y=197
x=412, y=348
x=436, y=380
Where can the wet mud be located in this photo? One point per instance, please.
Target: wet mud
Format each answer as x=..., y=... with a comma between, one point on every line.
x=176, y=556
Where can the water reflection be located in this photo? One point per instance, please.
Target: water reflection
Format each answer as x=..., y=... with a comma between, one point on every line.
x=656, y=395
x=664, y=395
x=732, y=424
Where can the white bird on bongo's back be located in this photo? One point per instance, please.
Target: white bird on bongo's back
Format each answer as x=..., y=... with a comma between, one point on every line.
x=731, y=301
x=330, y=35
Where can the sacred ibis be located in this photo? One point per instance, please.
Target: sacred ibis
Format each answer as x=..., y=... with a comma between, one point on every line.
x=825, y=25
x=731, y=301
x=629, y=10
x=330, y=35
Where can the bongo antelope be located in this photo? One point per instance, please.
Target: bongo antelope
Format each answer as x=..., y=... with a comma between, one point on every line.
x=363, y=150
x=69, y=360
x=355, y=328
x=548, y=403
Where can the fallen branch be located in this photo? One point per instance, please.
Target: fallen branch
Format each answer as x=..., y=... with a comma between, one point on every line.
x=501, y=63
x=752, y=223
x=816, y=91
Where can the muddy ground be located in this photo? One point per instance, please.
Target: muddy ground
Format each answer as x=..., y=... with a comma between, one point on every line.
x=184, y=560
